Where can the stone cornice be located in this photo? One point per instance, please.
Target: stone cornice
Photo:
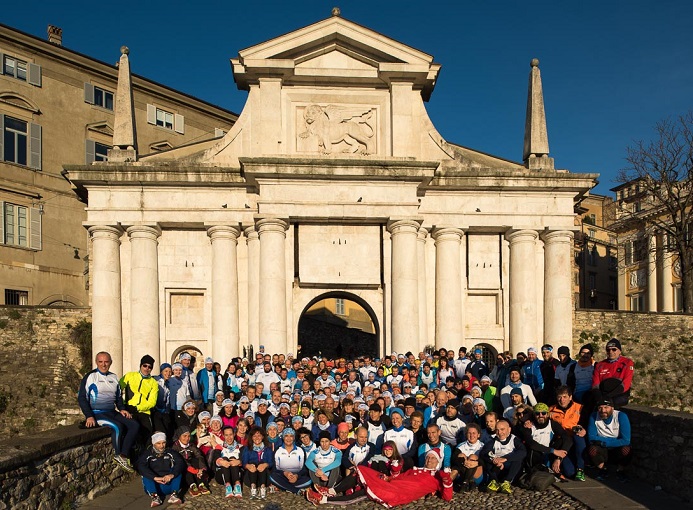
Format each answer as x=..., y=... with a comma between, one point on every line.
x=512, y=180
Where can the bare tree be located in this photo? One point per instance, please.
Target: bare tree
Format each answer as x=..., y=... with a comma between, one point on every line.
x=663, y=170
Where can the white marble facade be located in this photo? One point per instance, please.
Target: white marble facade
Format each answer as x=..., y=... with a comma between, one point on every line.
x=332, y=179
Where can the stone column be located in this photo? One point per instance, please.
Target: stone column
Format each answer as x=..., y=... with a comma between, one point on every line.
x=523, y=311
x=405, y=293
x=107, y=322
x=253, y=286
x=224, y=345
x=558, y=302
x=667, y=288
x=652, y=273
x=144, y=293
x=421, y=272
x=272, y=294
x=449, y=313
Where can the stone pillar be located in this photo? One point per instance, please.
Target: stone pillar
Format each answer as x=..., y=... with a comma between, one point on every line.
x=523, y=312
x=423, y=302
x=405, y=293
x=449, y=313
x=224, y=345
x=667, y=288
x=144, y=293
x=652, y=274
x=558, y=287
x=272, y=294
x=107, y=322
x=253, y=286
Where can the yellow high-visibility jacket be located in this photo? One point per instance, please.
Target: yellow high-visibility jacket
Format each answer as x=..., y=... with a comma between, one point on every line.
x=139, y=392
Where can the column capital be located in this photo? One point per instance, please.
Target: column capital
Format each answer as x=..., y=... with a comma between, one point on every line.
x=144, y=232
x=277, y=225
x=521, y=236
x=111, y=232
x=223, y=232
x=402, y=226
x=422, y=234
x=251, y=233
x=442, y=234
x=557, y=236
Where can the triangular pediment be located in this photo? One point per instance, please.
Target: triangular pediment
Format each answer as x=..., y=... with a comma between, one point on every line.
x=336, y=57
x=101, y=127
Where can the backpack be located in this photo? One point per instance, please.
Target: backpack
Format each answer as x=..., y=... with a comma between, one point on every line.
x=537, y=479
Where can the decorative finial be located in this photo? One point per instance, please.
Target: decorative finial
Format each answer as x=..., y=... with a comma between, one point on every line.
x=336, y=11
x=534, y=62
x=124, y=50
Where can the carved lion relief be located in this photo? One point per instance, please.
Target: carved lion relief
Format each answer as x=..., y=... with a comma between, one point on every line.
x=332, y=129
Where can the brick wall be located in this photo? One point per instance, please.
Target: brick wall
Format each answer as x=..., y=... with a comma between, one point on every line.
x=39, y=368
x=660, y=344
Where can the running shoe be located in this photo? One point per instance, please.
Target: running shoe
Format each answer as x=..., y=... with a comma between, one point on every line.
x=315, y=497
x=580, y=475
x=203, y=489
x=325, y=491
x=194, y=491
x=156, y=501
x=253, y=493
x=505, y=488
x=238, y=491
x=263, y=492
x=173, y=499
x=228, y=491
x=123, y=462
x=493, y=486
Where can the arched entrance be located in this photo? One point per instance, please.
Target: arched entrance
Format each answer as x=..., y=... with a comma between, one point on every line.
x=193, y=351
x=488, y=354
x=337, y=324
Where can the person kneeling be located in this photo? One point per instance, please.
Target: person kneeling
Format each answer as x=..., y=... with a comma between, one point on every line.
x=196, y=471
x=502, y=458
x=162, y=471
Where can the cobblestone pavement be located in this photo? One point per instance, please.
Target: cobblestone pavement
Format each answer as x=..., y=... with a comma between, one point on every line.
x=550, y=499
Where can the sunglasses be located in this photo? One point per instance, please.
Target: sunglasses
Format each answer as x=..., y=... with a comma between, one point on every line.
x=612, y=349
x=542, y=413
x=147, y=365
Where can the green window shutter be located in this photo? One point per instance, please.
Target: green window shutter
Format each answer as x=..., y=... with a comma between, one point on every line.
x=179, y=124
x=35, y=146
x=9, y=211
x=2, y=134
x=2, y=222
x=2, y=63
x=34, y=74
x=35, y=228
x=90, y=156
x=151, y=114
x=89, y=93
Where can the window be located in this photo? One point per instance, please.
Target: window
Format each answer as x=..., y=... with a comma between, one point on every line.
x=20, y=226
x=628, y=247
x=165, y=119
x=592, y=284
x=20, y=142
x=15, y=141
x=637, y=303
x=592, y=233
x=96, y=152
x=613, y=261
x=98, y=96
x=339, y=306
x=21, y=70
x=593, y=219
x=15, y=68
x=16, y=297
x=592, y=256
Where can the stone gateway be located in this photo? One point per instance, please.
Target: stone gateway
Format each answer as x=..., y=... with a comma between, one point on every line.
x=333, y=180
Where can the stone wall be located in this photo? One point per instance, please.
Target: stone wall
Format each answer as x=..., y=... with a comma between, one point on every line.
x=663, y=449
x=660, y=345
x=40, y=368
x=57, y=470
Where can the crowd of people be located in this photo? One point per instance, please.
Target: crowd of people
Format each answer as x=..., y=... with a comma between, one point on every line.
x=392, y=430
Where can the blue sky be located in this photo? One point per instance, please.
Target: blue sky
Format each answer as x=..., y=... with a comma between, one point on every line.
x=610, y=69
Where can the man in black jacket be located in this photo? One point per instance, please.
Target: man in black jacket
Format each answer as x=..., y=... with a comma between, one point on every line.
x=502, y=458
x=162, y=471
x=547, y=443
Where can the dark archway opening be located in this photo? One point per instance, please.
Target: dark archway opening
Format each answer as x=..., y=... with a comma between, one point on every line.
x=338, y=324
x=488, y=355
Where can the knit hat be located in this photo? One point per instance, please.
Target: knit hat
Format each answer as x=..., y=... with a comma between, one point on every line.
x=516, y=391
x=147, y=359
x=177, y=365
x=209, y=359
x=297, y=418
x=515, y=368
x=563, y=349
x=587, y=347
x=547, y=347
x=158, y=436
x=226, y=402
x=180, y=431
x=362, y=407
x=532, y=349
x=325, y=434
x=164, y=366
x=614, y=343
x=411, y=401
x=453, y=402
x=606, y=402
x=343, y=426
x=185, y=355
x=485, y=378
x=216, y=417
x=203, y=415
x=375, y=407
x=397, y=410
x=189, y=404
x=541, y=407
x=288, y=432
x=479, y=401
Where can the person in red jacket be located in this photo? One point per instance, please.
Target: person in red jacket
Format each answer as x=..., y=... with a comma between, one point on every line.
x=613, y=376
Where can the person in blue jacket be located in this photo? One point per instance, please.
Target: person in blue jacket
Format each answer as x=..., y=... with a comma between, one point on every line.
x=324, y=463
x=208, y=382
x=609, y=437
x=258, y=460
x=322, y=424
x=531, y=373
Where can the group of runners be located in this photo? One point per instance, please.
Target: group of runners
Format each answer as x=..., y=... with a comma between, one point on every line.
x=392, y=430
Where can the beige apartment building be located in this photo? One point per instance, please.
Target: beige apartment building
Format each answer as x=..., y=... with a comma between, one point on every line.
x=596, y=254
x=649, y=277
x=56, y=108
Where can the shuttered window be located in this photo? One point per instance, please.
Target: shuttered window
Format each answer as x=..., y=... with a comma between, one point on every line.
x=20, y=70
x=21, y=142
x=165, y=119
x=21, y=226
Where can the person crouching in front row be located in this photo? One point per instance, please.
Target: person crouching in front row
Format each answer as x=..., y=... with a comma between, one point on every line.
x=162, y=471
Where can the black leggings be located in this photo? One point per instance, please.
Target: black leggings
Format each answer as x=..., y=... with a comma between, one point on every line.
x=621, y=455
x=256, y=478
x=226, y=475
